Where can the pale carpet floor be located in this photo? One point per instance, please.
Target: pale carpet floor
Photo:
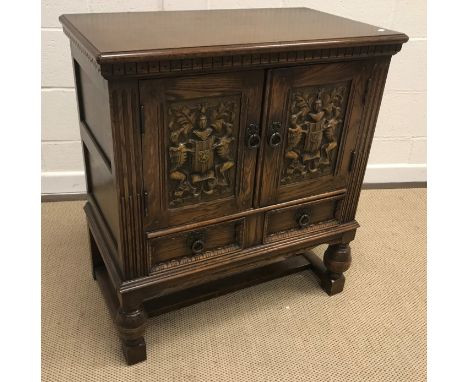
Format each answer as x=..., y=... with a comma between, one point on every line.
x=284, y=330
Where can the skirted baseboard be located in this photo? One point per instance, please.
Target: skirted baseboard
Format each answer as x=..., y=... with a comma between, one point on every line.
x=63, y=182
x=396, y=173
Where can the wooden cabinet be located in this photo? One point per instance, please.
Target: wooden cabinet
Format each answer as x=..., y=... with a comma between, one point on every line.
x=216, y=156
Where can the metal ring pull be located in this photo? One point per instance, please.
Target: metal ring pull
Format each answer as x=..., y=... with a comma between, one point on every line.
x=275, y=139
x=253, y=138
x=275, y=135
x=304, y=220
x=253, y=141
x=198, y=246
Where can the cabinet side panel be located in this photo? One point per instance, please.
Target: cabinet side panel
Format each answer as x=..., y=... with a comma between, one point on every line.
x=94, y=109
x=96, y=136
x=378, y=76
x=100, y=184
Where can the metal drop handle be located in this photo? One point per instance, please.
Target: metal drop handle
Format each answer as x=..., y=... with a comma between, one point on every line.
x=253, y=137
x=253, y=141
x=275, y=135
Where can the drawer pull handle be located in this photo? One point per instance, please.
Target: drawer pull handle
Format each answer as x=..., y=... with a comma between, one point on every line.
x=275, y=135
x=304, y=220
x=198, y=246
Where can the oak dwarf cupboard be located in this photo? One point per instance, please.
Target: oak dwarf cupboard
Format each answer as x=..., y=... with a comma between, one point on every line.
x=220, y=147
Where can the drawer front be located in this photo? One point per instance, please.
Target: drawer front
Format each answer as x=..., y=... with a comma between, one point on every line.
x=301, y=219
x=195, y=246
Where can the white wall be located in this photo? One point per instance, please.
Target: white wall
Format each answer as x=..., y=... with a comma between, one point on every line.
x=399, y=149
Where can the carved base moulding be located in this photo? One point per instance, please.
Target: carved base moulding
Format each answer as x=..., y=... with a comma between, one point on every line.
x=217, y=159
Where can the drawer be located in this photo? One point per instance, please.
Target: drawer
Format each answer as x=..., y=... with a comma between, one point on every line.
x=194, y=246
x=300, y=219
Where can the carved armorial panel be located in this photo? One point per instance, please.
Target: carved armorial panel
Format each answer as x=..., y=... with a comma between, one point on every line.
x=315, y=122
x=202, y=152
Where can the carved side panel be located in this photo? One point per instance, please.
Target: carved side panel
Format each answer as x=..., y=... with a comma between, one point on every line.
x=202, y=149
x=315, y=122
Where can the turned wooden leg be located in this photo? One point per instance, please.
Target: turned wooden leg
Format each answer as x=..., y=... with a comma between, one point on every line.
x=131, y=326
x=336, y=260
x=96, y=259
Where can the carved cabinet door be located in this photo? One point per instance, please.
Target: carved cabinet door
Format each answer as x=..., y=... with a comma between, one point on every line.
x=311, y=127
x=199, y=146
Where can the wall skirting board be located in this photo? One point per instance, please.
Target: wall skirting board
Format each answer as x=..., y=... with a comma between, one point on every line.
x=63, y=182
x=71, y=185
x=395, y=173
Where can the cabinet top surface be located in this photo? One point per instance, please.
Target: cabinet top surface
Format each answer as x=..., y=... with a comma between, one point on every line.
x=113, y=37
